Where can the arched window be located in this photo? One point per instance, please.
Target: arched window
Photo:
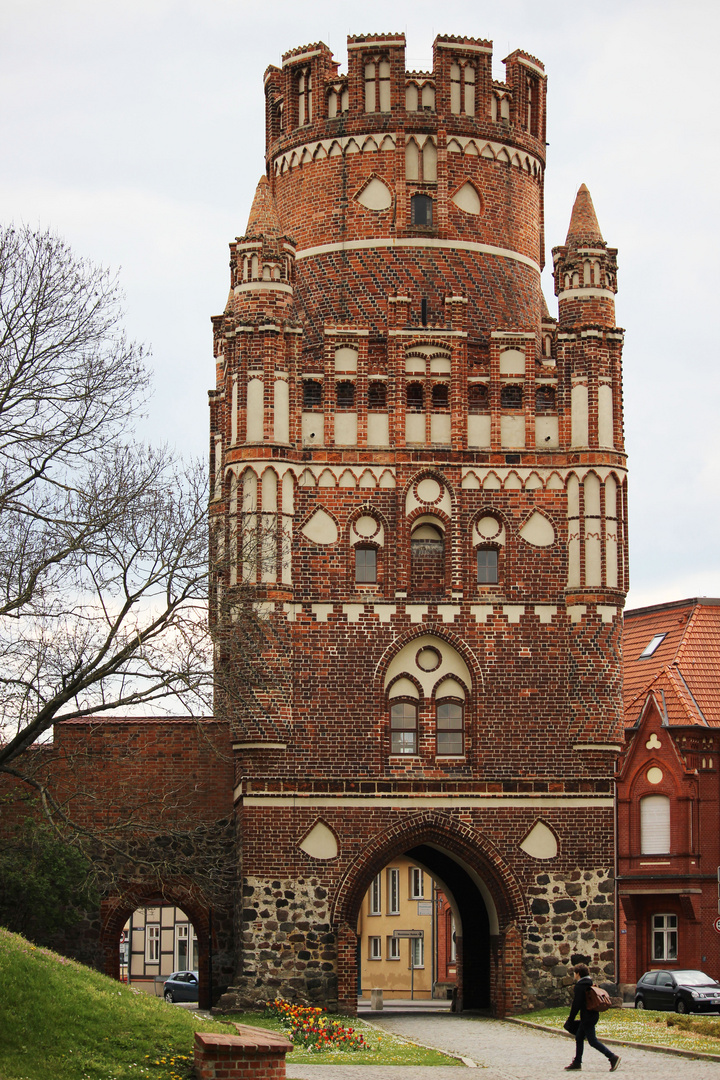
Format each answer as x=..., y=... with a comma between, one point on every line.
x=511, y=397
x=487, y=566
x=544, y=399
x=312, y=394
x=655, y=825
x=427, y=557
x=415, y=397
x=478, y=401
x=449, y=728
x=365, y=565
x=421, y=210
x=440, y=396
x=377, y=395
x=403, y=727
x=345, y=395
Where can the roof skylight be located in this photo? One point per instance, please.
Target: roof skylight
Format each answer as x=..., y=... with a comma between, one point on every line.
x=652, y=646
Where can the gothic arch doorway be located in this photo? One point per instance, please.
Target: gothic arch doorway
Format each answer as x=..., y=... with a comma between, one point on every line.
x=486, y=899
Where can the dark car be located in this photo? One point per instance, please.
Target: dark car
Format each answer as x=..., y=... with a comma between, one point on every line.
x=181, y=986
x=683, y=991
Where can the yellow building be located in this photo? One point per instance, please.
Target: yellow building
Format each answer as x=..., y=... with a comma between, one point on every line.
x=399, y=900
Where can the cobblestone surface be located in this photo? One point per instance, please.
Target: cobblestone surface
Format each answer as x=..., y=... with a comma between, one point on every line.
x=504, y=1051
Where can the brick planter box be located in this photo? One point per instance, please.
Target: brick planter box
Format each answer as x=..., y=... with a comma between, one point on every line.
x=251, y=1054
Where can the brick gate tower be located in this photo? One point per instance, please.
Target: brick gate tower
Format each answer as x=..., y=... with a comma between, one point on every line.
x=419, y=481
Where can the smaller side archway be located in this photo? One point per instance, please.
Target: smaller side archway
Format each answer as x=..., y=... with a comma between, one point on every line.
x=115, y=912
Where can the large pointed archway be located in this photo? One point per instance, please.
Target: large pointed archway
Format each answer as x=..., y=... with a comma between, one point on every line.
x=488, y=901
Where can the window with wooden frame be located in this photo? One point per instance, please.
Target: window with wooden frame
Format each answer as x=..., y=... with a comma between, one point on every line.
x=417, y=883
x=375, y=898
x=393, y=948
x=450, y=728
x=404, y=727
x=365, y=565
x=393, y=886
x=664, y=937
x=374, y=948
x=487, y=566
x=417, y=952
x=152, y=943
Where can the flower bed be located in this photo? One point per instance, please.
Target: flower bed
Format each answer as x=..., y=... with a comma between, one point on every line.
x=312, y=1028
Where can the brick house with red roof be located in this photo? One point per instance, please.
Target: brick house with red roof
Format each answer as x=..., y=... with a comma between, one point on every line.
x=668, y=796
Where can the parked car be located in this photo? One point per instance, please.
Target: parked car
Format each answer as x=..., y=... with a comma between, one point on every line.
x=181, y=986
x=683, y=991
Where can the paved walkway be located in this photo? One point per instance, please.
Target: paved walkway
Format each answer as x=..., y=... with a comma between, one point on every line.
x=504, y=1051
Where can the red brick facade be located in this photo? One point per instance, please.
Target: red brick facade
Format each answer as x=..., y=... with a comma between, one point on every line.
x=392, y=394
x=668, y=791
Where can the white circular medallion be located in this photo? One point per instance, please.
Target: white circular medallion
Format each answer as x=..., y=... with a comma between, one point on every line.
x=488, y=528
x=654, y=775
x=366, y=526
x=428, y=490
x=428, y=659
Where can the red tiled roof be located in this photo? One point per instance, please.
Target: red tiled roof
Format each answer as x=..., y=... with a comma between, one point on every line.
x=684, y=670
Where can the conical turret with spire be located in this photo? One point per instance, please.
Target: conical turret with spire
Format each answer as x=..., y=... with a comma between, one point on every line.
x=262, y=262
x=585, y=269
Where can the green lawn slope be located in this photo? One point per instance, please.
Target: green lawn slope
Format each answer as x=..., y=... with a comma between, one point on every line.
x=62, y=1020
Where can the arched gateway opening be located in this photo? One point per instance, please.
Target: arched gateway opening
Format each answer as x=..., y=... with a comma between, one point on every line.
x=116, y=911
x=487, y=905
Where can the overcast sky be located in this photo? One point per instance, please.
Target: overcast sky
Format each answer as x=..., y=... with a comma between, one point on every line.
x=135, y=129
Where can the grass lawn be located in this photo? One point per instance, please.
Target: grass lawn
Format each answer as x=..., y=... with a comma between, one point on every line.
x=383, y=1048
x=692, y=1032
x=63, y=1021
